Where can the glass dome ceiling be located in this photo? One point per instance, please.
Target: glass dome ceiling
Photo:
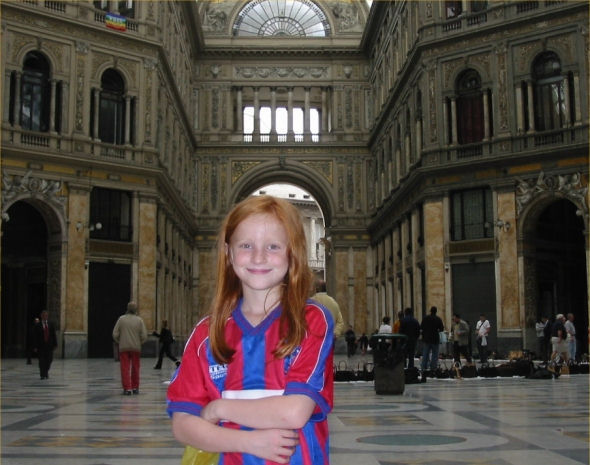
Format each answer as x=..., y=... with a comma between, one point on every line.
x=286, y=18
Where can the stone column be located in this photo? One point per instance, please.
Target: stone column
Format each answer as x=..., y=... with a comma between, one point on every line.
x=52, y=102
x=454, y=120
x=273, y=113
x=76, y=295
x=324, y=127
x=306, y=116
x=239, y=111
x=531, y=106
x=577, y=106
x=290, y=113
x=6, y=98
x=127, y=119
x=519, y=110
x=418, y=138
x=486, y=116
x=17, y=109
x=96, y=96
x=65, y=110
x=434, y=257
x=256, y=113
x=567, y=122
x=507, y=292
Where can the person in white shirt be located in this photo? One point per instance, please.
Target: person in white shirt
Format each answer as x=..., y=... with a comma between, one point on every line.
x=571, y=336
x=482, y=329
x=385, y=327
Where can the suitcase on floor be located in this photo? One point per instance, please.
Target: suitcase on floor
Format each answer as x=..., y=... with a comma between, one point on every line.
x=343, y=373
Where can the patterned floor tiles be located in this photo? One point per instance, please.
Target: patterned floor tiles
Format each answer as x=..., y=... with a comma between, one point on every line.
x=79, y=417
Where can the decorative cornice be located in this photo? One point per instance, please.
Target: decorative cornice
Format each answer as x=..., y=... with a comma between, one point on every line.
x=15, y=187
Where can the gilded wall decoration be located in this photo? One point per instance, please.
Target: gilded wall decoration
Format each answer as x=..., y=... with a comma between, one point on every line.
x=564, y=44
x=19, y=42
x=348, y=106
x=80, y=65
x=215, y=108
x=322, y=167
x=273, y=72
x=502, y=86
x=524, y=58
x=56, y=51
x=214, y=184
x=357, y=185
x=341, y=176
x=570, y=185
x=149, y=65
x=98, y=60
x=350, y=184
x=483, y=61
x=205, y=184
x=223, y=182
x=238, y=168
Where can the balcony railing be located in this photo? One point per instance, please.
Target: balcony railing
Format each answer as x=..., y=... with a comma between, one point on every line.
x=57, y=144
x=520, y=145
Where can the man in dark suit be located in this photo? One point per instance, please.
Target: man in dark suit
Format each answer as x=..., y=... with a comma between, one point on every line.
x=45, y=342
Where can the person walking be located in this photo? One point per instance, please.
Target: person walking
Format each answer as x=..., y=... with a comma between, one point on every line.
x=411, y=328
x=460, y=335
x=385, y=327
x=45, y=342
x=482, y=329
x=350, y=338
x=166, y=339
x=130, y=334
x=431, y=326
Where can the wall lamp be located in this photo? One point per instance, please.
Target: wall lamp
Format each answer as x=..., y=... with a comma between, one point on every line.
x=91, y=227
x=501, y=224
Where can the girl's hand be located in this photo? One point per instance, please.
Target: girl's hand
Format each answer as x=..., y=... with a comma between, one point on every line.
x=276, y=445
x=208, y=413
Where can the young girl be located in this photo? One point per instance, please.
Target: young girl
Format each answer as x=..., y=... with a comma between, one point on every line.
x=255, y=381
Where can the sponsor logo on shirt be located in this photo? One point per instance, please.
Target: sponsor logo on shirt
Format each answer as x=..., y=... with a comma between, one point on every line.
x=217, y=371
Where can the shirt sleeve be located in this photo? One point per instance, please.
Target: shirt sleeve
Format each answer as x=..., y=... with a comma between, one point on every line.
x=187, y=391
x=310, y=372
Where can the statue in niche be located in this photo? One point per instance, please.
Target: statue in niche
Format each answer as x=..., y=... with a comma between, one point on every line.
x=214, y=20
x=346, y=15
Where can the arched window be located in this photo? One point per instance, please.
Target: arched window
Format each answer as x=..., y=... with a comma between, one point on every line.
x=111, y=114
x=549, y=101
x=35, y=93
x=294, y=18
x=470, y=111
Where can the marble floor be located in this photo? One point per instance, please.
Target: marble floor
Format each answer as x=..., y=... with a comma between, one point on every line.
x=78, y=416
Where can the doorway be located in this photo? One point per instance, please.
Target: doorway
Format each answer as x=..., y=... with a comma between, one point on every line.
x=109, y=291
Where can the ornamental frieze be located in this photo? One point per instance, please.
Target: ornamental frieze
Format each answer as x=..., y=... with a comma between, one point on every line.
x=325, y=168
x=238, y=168
x=273, y=72
x=569, y=185
x=28, y=186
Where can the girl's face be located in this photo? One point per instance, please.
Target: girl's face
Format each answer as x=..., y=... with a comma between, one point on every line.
x=258, y=253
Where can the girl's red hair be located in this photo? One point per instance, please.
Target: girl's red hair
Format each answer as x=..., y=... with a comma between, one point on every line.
x=297, y=284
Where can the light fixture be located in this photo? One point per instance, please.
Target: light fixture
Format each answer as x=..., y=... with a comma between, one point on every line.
x=91, y=227
x=501, y=224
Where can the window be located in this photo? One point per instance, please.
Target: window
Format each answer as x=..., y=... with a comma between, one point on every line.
x=549, y=102
x=453, y=9
x=111, y=115
x=477, y=6
x=471, y=214
x=35, y=93
x=470, y=117
x=101, y=5
x=281, y=121
x=287, y=18
x=112, y=209
x=126, y=8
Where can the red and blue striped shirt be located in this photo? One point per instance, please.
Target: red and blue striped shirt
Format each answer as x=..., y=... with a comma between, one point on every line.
x=255, y=371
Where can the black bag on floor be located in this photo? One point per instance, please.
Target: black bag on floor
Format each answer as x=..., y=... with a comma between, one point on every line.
x=487, y=371
x=541, y=373
x=522, y=367
x=366, y=373
x=343, y=373
x=469, y=371
x=506, y=370
x=412, y=375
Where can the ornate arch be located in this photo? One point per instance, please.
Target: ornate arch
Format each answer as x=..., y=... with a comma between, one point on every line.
x=297, y=174
x=532, y=195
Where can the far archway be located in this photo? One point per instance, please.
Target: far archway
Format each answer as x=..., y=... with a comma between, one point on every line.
x=313, y=222
x=24, y=276
x=558, y=246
